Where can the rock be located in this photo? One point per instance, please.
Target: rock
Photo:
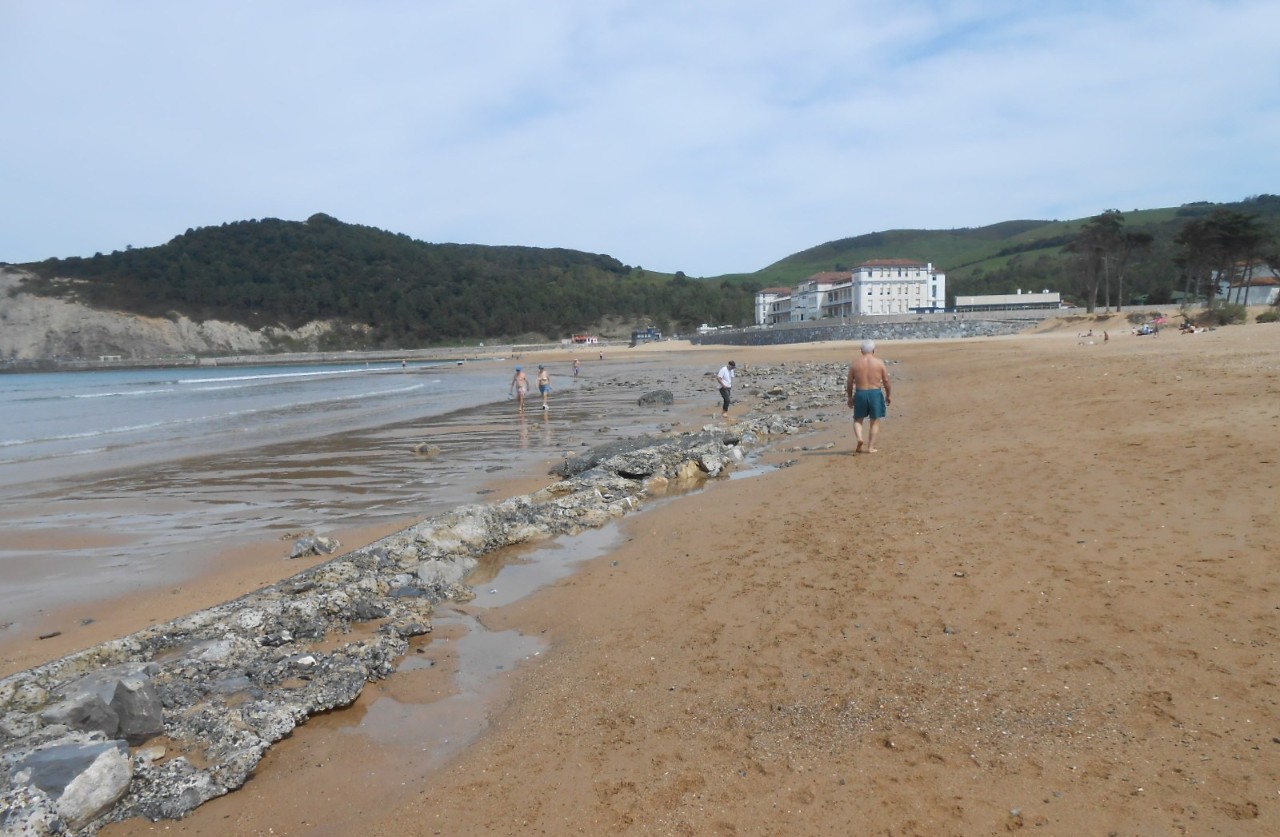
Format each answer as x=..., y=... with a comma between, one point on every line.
x=442, y=573
x=27, y=811
x=120, y=701
x=656, y=397
x=426, y=450
x=83, y=712
x=84, y=779
x=314, y=546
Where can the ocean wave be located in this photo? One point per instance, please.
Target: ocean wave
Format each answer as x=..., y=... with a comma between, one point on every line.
x=118, y=394
x=278, y=375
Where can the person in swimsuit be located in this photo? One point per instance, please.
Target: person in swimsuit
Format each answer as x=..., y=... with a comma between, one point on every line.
x=867, y=391
x=544, y=384
x=520, y=384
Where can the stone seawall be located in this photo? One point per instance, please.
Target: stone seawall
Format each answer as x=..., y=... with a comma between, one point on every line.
x=933, y=330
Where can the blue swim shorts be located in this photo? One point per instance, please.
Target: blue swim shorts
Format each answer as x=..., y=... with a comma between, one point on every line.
x=869, y=402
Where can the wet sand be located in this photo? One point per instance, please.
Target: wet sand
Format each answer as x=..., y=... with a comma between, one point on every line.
x=1048, y=602
x=119, y=551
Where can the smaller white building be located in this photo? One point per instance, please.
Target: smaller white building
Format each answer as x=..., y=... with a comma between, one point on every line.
x=1250, y=284
x=773, y=306
x=1010, y=302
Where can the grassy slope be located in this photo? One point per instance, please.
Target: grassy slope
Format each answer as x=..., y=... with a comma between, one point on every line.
x=955, y=252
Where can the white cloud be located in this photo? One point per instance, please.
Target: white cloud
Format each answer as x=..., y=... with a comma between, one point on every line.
x=707, y=137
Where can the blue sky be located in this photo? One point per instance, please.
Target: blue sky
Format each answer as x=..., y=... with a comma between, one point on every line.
x=709, y=137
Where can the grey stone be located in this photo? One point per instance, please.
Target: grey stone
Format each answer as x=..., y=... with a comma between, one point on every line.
x=656, y=397
x=83, y=711
x=83, y=779
x=27, y=811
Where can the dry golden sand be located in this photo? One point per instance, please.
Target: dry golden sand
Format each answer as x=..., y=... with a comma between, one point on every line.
x=1050, y=602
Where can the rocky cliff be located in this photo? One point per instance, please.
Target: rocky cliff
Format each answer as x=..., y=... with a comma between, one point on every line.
x=37, y=328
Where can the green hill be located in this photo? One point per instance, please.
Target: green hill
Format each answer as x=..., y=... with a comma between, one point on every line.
x=397, y=292
x=1004, y=257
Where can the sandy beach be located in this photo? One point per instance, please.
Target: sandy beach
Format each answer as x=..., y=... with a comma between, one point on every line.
x=1049, y=602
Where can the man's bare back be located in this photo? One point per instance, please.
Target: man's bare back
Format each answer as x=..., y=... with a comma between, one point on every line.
x=869, y=372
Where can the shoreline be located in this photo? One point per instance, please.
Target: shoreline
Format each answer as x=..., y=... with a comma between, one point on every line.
x=171, y=661
x=492, y=471
x=776, y=609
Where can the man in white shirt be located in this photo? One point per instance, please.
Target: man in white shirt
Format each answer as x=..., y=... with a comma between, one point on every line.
x=725, y=378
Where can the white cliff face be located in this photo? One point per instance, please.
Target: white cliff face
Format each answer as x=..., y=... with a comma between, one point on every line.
x=35, y=327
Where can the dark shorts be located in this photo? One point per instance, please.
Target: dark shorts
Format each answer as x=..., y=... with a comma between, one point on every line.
x=869, y=402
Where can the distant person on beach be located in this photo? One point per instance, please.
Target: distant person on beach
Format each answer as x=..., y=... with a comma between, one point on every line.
x=577, y=367
x=544, y=384
x=867, y=390
x=725, y=379
x=520, y=384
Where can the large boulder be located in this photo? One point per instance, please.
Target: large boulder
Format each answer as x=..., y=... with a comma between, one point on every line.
x=83, y=778
x=120, y=702
x=656, y=398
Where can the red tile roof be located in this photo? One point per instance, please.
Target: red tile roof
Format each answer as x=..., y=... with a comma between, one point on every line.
x=893, y=263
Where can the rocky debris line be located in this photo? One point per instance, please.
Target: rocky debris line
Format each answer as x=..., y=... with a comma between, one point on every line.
x=158, y=722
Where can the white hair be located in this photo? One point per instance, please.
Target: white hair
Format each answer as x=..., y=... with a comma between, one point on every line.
x=868, y=346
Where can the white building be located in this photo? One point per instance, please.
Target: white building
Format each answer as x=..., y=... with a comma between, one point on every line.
x=879, y=287
x=897, y=286
x=809, y=299
x=773, y=306
x=1249, y=284
x=1009, y=302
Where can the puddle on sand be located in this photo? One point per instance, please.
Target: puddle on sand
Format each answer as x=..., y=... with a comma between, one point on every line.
x=476, y=656
x=447, y=724
x=442, y=697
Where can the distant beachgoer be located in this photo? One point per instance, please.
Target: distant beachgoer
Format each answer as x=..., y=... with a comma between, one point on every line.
x=725, y=379
x=544, y=384
x=867, y=391
x=602, y=355
x=577, y=367
x=520, y=384
x=1105, y=337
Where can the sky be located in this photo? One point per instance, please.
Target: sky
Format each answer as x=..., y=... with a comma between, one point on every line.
x=708, y=137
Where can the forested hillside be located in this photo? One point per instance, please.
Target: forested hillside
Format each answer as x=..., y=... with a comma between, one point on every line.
x=396, y=292
x=407, y=292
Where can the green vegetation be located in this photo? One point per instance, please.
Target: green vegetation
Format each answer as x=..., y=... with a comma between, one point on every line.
x=407, y=292
x=391, y=291
x=1271, y=315
x=1225, y=314
x=1114, y=258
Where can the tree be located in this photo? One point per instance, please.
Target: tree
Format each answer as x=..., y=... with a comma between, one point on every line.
x=1097, y=248
x=1130, y=243
x=1219, y=245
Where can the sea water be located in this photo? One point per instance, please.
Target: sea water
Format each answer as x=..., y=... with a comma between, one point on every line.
x=64, y=424
x=115, y=481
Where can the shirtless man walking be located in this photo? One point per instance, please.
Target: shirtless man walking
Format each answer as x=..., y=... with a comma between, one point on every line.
x=867, y=390
x=520, y=386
